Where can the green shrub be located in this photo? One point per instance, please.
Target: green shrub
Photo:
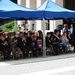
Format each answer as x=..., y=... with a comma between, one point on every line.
x=8, y=26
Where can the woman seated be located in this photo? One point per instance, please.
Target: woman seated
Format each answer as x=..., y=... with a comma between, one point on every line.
x=65, y=42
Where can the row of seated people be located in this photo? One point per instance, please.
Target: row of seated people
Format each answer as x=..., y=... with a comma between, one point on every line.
x=59, y=43
x=21, y=46
x=31, y=43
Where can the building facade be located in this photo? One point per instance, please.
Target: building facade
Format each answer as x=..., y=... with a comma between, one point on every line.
x=35, y=4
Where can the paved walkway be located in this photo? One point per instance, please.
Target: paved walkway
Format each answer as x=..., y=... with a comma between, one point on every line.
x=54, y=65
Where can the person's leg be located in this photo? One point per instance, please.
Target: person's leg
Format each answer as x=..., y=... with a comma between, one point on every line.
x=56, y=49
x=8, y=54
x=23, y=51
x=34, y=52
x=4, y=50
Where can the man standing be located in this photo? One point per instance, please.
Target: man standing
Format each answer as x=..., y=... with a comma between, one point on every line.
x=33, y=24
x=26, y=26
x=72, y=32
x=65, y=29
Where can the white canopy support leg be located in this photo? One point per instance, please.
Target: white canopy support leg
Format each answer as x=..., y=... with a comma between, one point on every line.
x=15, y=25
x=44, y=42
x=53, y=25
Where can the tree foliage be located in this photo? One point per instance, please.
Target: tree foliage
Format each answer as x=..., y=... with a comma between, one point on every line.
x=8, y=27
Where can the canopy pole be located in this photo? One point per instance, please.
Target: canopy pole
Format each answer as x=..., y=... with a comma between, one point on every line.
x=53, y=24
x=15, y=25
x=44, y=42
x=48, y=25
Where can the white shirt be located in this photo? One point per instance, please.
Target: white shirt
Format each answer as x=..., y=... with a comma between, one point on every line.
x=71, y=30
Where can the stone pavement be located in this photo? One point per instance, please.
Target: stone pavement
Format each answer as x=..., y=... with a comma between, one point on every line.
x=53, y=65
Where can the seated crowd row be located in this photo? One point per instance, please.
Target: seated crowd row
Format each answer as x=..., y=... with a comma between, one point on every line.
x=31, y=44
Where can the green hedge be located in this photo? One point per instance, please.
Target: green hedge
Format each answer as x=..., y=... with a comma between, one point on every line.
x=8, y=27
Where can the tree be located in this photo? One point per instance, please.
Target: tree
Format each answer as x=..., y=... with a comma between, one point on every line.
x=8, y=27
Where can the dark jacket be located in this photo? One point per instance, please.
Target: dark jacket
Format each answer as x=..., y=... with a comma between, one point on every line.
x=73, y=34
x=48, y=41
x=4, y=47
x=34, y=44
x=56, y=39
x=22, y=44
x=29, y=42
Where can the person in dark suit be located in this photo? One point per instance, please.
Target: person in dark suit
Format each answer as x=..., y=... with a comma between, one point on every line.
x=69, y=38
x=34, y=47
x=29, y=42
x=49, y=46
x=56, y=42
x=72, y=32
x=40, y=42
x=19, y=39
x=22, y=44
x=5, y=48
x=48, y=39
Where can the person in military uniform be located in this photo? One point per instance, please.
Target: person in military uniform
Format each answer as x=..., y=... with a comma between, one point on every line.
x=13, y=45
